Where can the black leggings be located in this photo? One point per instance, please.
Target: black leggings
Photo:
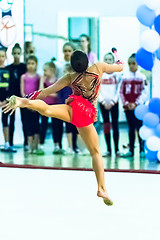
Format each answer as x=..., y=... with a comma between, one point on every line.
x=107, y=126
x=24, y=125
x=70, y=128
x=57, y=130
x=30, y=120
x=30, y=124
x=134, y=124
x=10, y=125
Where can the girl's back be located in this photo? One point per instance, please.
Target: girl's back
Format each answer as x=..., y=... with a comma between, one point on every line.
x=87, y=84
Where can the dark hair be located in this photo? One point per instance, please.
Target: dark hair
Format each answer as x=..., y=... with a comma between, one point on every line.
x=89, y=41
x=50, y=65
x=70, y=44
x=133, y=55
x=34, y=58
x=68, y=68
x=79, y=61
x=16, y=46
x=53, y=59
x=27, y=45
x=111, y=54
x=3, y=49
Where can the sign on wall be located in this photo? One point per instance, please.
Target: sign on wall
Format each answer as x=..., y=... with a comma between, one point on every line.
x=11, y=24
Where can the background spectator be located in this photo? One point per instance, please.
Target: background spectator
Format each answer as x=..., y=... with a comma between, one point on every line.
x=133, y=93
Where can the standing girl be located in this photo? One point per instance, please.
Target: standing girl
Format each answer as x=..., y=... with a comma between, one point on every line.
x=30, y=81
x=108, y=100
x=16, y=69
x=71, y=130
x=79, y=109
x=48, y=79
x=85, y=44
x=133, y=93
x=4, y=93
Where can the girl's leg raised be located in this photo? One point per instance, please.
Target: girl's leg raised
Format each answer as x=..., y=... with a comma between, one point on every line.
x=90, y=137
x=60, y=111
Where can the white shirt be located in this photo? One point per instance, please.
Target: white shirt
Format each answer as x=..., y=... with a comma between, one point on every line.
x=110, y=88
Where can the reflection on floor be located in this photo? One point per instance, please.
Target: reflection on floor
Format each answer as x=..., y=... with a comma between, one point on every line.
x=79, y=161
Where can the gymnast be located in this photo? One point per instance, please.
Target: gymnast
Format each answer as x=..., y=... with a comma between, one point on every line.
x=79, y=109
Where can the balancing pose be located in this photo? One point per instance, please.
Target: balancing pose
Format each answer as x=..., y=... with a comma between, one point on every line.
x=79, y=108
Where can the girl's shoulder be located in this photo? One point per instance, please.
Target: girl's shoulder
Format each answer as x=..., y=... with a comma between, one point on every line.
x=38, y=75
x=96, y=68
x=141, y=75
x=71, y=76
x=24, y=75
x=22, y=65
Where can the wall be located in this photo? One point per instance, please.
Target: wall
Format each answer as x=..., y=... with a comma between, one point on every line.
x=46, y=19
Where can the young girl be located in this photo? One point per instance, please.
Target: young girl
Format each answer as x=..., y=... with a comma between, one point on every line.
x=71, y=130
x=29, y=50
x=108, y=101
x=4, y=93
x=47, y=80
x=16, y=69
x=133, y=93
x=79, y=108
x=30, y=81
x=85, y=44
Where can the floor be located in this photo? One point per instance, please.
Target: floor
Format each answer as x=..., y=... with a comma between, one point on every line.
x=51, y=204
x=78, y=161
x=74, y=161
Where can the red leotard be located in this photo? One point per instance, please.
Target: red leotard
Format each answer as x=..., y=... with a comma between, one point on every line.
x=85, y=88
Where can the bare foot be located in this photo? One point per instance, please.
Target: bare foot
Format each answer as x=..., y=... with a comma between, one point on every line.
x=105, y=197
x=14, y=102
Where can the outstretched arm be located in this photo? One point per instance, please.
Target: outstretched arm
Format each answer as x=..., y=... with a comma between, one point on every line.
x=61, y=83
x=109, y=68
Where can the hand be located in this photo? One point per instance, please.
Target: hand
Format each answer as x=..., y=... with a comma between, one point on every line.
x=119, y=62
x=69, y=100
x=126, y=106
x=109, y=105
x=132, y=106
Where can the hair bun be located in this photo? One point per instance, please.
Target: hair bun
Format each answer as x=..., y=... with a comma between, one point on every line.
x=133, y=55
x=53, y=59
x=17, y=45
x=79, y=61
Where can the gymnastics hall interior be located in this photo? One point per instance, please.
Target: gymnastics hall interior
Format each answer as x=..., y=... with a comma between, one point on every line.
x=54, y=197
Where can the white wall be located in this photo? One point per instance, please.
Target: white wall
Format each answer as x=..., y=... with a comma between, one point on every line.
x=46, y=17
x=17, y=15
x=17, y=35
x=51, y=18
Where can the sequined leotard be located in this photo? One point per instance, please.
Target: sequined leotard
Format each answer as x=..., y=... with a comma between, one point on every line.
x=85, y=88
x=87, y=85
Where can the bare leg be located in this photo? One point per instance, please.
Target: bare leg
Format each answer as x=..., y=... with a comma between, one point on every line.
x=81, y=144
x=60, y=111
x=90, y=137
